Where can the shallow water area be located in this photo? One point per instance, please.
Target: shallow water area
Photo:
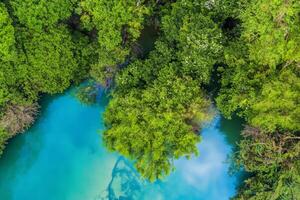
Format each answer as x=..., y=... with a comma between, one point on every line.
x=62, y=157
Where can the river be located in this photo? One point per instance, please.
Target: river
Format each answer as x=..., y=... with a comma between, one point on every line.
x=61, y=157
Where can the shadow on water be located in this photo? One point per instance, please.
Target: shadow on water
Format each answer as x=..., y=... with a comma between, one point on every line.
x=231, y=129
x=126, y=183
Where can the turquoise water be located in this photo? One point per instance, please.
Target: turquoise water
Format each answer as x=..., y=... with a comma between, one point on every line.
x=62, y=158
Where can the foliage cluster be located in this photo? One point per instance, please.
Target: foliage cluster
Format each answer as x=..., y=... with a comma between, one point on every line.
x=260, y=82
x=117, y=25
x=274, y=162
x=159, y=104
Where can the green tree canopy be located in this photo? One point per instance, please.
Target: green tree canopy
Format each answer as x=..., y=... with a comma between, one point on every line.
x=7, y=55
x=46, y=60
x=40, y=14
x=118, y=24
x=261, y=81
x=157, y=124
x=158, y=105
x=190, y=30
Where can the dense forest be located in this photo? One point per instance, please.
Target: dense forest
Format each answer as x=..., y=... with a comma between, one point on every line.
x=242, y=57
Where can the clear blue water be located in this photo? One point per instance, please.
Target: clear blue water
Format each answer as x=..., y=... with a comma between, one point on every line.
x=62, y=158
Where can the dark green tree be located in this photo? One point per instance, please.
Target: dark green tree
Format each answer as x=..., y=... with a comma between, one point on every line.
x=273, y=159
x=7, y=54
x=158, y=105
x=41, y=14
x=261, y=81
x=157, y=124
x=47, y=61
x=117, y=24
